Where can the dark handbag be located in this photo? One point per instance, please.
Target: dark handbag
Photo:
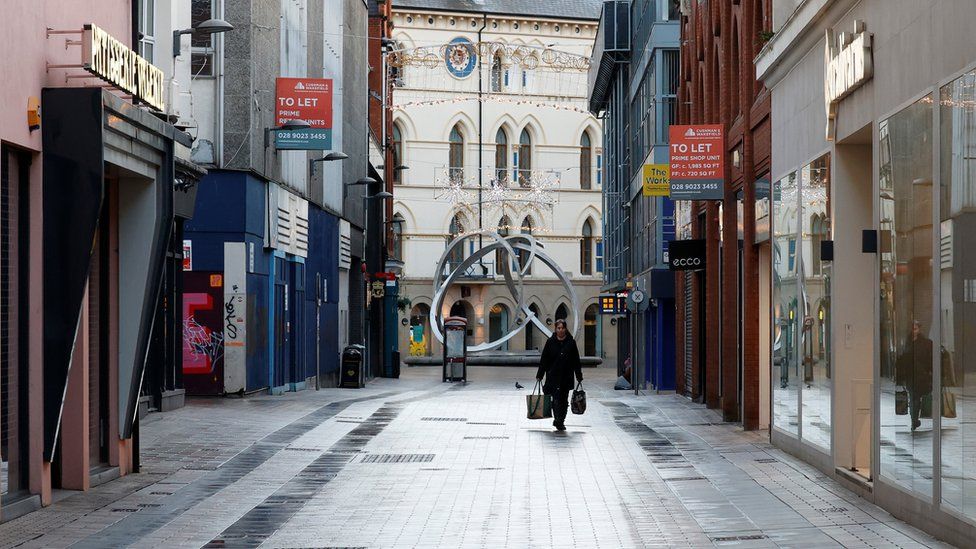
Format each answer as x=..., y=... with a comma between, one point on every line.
x=578, y=402
x=901, y=402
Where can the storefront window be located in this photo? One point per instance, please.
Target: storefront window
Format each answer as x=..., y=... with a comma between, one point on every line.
x=814, y=340
x=957, y=265
x=906, y=321
x=786, y=310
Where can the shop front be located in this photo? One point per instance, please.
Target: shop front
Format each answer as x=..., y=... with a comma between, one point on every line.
x=870, y=340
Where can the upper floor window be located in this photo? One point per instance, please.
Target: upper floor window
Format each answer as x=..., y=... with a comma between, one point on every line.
x=525, y=158
x=497, y=71
x=397, y=154
x=457, y=254
x=147, y=29
x=501, y=155
x=456, y=152
x=202, y=44
x=586, y=249
x=524, y=254
x=586, y=162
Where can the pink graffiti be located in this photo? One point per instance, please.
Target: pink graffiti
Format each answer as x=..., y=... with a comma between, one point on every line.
x=202, y=346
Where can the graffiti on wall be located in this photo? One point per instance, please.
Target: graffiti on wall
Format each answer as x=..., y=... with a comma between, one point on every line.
x=203, y=340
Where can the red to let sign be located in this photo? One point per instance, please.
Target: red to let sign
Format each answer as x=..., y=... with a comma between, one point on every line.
x=308, y=99
x=697, y=162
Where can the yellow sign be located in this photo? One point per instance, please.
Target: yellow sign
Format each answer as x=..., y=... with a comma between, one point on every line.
x=657, y=180
x=113, y=61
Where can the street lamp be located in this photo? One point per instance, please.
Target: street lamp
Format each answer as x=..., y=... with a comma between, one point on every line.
x=330, y=157
x=289, y=125
x=210, y=26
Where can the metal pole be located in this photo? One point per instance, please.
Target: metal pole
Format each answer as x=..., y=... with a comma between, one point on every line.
x=481, y=225
x=318, y=330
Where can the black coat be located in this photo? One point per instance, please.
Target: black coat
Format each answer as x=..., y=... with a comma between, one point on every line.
x=560, y=362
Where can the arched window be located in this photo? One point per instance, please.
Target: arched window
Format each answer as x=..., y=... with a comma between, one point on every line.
x=497, y=73
x=498, y=324
x=456, y=153
x=525, y=158
x=500, y=255
x=523, y=254
x=586, y=249
x=586, y=161
x=501, y=155
x=397, y=153
x=561, y=312
x=530, y=328
x=590, y=330
x=457, y=254
x=396, y=227
x=734, y=80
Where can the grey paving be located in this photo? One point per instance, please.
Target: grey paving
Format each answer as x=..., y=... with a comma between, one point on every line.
x=417, y=463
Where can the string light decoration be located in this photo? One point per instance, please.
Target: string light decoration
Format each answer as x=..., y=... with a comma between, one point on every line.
x=535, y=193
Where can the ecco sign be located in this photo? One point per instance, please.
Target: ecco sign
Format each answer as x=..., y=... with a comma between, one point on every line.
x=686, y=255
x=113, y=62
x=847, y=65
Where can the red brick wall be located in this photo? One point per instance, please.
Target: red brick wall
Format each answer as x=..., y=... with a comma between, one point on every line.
x=715, y=90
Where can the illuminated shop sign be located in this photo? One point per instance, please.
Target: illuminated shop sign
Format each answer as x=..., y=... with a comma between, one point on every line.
x=847, y=65
x=113, y=62
x=686, y=255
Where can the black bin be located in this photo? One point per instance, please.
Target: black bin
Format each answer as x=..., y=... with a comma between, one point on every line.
x=395, y=358
x=351, y=375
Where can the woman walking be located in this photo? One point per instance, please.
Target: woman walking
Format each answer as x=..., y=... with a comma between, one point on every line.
x=560, y=360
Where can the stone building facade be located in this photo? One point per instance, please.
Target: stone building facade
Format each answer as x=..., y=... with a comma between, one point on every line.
x=533, y=124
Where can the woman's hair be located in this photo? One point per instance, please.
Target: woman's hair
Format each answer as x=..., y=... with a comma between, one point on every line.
x=563, y=322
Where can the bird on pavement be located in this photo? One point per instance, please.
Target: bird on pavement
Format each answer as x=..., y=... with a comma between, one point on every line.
x=518, y=385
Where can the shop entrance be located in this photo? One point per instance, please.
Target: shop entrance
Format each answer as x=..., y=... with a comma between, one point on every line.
x=851, y=321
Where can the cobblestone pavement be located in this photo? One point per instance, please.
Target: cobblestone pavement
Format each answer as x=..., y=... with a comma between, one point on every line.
x=417, y=463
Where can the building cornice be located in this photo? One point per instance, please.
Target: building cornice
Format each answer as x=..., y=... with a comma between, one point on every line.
x=800, y=32
x=471, y=22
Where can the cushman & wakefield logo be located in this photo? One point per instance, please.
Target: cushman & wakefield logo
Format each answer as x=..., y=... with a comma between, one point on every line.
x=114, y=62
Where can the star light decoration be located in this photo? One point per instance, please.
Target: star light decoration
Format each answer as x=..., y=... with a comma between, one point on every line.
x=536, y=193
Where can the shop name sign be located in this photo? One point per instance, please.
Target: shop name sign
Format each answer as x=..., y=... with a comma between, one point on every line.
x=113, y=62
x=686, y=255
x=847, y=65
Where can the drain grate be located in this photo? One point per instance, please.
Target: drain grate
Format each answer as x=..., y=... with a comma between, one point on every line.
x=443, y=419
x=297, y=449
x=489, y=468
x=150, y=505
x=500, y=437
x=485, y=423
x=398, y=458
x=684, y=478
x=125, y=510
x=834, y=510
x=740, y=538
x=160, y=493
x=767, y=460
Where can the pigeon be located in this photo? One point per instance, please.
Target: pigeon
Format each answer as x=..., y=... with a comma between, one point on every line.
x=518, y=385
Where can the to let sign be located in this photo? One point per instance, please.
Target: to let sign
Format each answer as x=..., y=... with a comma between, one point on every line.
x=307, y=99
x=657, y=180
x=697, y=162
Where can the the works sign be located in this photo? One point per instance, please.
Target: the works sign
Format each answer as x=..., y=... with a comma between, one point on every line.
x=847, y=65
x=113, y=61
x=686, y=255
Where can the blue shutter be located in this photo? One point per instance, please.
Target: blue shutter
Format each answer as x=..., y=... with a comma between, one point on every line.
x=792, y=257
x=599, y=170
x=506, y=78
x=525, y=78
x=599, y=255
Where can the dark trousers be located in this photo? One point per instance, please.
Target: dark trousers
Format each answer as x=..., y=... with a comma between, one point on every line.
x=915, y=404
x=560, y=404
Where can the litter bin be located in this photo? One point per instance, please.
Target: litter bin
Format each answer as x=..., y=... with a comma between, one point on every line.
x=351, y=375
x=395, y=358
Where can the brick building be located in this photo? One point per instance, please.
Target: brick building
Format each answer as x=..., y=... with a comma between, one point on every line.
x=718, y=323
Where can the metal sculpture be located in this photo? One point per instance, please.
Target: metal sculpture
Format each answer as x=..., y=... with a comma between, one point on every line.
x=515, y=284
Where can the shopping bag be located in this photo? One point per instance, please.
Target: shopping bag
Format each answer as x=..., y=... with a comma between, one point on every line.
x=901, y=402
x=578, y=402
x=538, y=405
x=948, y=403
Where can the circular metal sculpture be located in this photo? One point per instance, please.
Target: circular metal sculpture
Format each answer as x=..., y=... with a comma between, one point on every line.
x=510, y=246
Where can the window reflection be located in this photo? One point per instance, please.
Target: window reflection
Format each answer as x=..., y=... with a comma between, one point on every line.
x=905, y=250
x=957, y=280
x=786, y=315
x=815, y=301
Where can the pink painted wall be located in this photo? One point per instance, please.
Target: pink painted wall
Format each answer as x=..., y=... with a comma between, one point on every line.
x=25, y=52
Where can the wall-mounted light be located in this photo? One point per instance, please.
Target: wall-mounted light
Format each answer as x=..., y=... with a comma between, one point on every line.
x=210, y=26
